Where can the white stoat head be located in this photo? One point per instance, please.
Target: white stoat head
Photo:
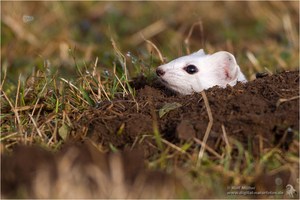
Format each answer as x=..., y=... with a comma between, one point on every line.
x=198, y=71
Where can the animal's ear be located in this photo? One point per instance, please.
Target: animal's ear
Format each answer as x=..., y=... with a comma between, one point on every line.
x=226, y=61
x=199, y=53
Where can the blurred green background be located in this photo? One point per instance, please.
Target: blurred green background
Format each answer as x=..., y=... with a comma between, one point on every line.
x=264, y=36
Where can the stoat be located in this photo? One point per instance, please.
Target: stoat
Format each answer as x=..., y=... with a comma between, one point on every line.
x=199, y=71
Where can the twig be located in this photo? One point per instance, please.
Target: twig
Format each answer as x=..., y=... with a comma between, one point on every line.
x=23, y=108
x=173, y=146
x=18, y=91
x=99, y=96
x=187, y=39
x=155, y=47
x=208, y=148
x=38, y=99
x=121, y=57
x=95, y=66
x=103, y=89
x=8, y=136
x=285, y=100
x=155, y=125
x=35, y=125
x=228, y=146
x=254, y=61
x=210, y=123
x=115, y=73
x=261, y=144
x=70, y=84
x=76, y=88
x=15, y=111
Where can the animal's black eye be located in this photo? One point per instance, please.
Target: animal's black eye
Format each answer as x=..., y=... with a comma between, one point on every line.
x=191, y=69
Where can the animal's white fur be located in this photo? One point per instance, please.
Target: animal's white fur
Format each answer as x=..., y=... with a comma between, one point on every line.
x=219, y=69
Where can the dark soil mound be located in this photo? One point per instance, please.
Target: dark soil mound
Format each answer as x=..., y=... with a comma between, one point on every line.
x=260, y=114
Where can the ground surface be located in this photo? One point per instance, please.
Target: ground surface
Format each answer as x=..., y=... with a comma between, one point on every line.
x=248, y=112
x=260, y=115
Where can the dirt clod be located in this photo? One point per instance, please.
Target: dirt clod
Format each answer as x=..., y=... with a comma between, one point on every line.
x=185, y=130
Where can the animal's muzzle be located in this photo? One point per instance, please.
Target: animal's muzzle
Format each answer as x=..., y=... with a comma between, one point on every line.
x=160, y=72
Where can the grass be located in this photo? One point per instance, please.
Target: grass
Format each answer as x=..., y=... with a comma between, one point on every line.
x=74, y=55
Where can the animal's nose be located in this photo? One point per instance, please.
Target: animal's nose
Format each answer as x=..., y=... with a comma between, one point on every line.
x=160, y=72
